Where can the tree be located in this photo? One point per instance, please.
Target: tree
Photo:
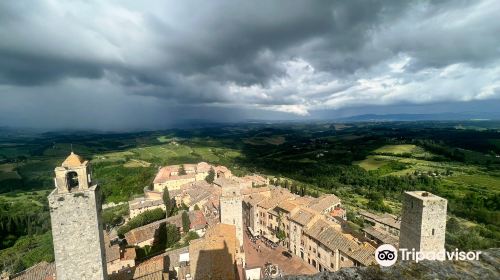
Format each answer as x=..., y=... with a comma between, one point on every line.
x=186, y=224
x=144, y=218
x=182, y=170
x=192, y=235
x=196, y=207
x=211, y=176
x=173, y=235
x=281, y=235
x=167, y=201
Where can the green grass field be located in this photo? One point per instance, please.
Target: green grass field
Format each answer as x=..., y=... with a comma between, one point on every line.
x=488, y=183
x=372, y=162
x=419, y=162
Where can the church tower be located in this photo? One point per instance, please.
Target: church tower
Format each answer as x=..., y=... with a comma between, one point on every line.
x=77, y=231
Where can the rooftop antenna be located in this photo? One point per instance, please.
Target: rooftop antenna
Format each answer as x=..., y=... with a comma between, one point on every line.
x=71, y=147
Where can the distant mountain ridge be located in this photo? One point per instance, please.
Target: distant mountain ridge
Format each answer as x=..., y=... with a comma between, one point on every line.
x=422, y=117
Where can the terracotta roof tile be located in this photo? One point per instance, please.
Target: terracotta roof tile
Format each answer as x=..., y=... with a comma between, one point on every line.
x=324, y=202
x=331, y=237
x=197, y=219
x=40, y=271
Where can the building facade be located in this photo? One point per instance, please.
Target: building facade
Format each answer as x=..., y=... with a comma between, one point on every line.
x=311, y=226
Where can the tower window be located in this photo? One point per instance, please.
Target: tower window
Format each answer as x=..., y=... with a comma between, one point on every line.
x=72, y=179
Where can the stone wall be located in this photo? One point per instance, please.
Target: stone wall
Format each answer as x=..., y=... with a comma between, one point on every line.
x=231, y=211
x=423, y=222
x=78, y=234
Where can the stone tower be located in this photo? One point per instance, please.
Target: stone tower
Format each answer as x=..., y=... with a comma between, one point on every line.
x=75, y=212
x=423, y=222
x=231, y=209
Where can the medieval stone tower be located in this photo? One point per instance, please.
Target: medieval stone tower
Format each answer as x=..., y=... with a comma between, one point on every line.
x=75, y=211
x=423, y=222
x=231, y=210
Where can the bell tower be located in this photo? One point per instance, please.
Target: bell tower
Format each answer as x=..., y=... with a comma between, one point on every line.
x=73, y=174
x=77, y=231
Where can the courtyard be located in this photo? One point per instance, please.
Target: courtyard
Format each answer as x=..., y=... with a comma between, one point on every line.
x=258, y=256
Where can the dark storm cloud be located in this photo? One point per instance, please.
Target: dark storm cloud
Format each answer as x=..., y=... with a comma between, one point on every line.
x=28, y=69
x=274, y=56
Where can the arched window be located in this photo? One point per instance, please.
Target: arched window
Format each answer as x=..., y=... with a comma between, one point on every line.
x=72, y=179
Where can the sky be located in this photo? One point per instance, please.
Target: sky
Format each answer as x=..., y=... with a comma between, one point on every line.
x=124, y=64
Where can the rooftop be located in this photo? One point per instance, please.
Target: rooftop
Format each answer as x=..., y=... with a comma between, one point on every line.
x=330, y=235
x=382, y=235
x=73, y=160
x=151, y=269
x=324, y=202
x=40, y=271
x=303, y=216
x=287, y=205
x=142, y=202
x=254, y=199
x=386, y=218
x=423, y=195
x=197, y=219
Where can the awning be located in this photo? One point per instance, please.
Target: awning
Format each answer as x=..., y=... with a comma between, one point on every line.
x=253, y=233
x=272, y=238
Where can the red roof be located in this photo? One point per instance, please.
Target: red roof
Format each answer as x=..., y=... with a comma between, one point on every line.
x=197, y=219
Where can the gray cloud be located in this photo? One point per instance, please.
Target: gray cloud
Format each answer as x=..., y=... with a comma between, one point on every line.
x=248, y=57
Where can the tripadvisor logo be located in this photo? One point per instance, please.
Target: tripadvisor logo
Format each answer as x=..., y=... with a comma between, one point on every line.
x=386, y=255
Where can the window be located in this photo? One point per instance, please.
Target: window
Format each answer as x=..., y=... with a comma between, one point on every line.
x=319, y=255
x=72, y=179
x=342, y=258
x=331, y=265
x=432, y=231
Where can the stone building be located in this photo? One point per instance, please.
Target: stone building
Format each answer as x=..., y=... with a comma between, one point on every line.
x=170, y=177
x=140, y=205
x=423, y=222
x=327, y=248
x=75, y=211
x=231, y=211
x=381, y=229
x=311, y=226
